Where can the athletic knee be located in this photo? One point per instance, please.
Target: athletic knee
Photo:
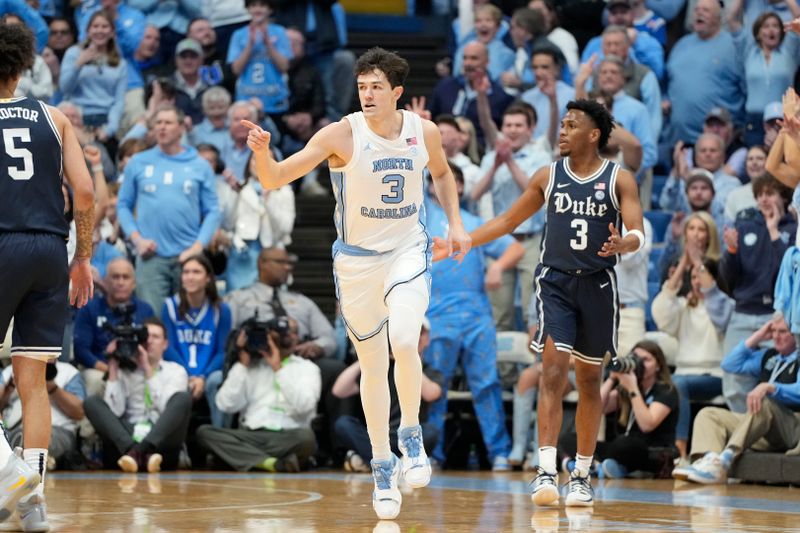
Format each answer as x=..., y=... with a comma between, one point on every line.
x=404, y=344
x=553, y=379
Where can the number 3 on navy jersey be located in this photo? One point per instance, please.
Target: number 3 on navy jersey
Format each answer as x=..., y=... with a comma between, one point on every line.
x=397, y=181
x=582, y=227
x=24, y=135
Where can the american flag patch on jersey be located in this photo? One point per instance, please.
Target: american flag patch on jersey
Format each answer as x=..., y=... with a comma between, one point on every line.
x=411, y=141
x=601, y=186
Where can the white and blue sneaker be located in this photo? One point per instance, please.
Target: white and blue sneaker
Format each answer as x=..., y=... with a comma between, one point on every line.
x=416, y=466
x=545, y=488
x=386, y=498
x=17, y=479
x=580, y=493
x=33, y=513
x=709, y=470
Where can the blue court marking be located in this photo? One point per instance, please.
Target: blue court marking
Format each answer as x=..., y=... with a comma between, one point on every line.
x=699, y=497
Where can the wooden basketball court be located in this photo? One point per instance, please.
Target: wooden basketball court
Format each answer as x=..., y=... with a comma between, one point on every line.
x=454, y=502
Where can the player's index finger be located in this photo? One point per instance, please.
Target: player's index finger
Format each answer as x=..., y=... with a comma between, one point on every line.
x=250, y=125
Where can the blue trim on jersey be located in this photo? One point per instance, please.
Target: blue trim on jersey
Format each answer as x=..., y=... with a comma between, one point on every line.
x=350, y=249
x=337, y=180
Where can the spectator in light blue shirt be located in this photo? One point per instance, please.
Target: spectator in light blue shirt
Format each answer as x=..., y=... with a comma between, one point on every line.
x=259, y=55
x=644, y=19
x=770, y=61
x=129, y=23
x=628, y=111
x=645, y=48
x=703, y=71
x=214, y=128
x=506, y=171
x=30, y=17
x=550, y=96
x=487, y=25
x=95, y=77
x=171, y=18
x=172, y=190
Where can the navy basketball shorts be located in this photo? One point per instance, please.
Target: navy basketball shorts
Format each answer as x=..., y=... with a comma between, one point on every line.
x=580, y=312
x=34, y=280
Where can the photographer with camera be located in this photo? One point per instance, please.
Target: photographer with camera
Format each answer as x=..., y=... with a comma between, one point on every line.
x=275, y=393
x=144, y=414
x=95, y=322
x=66, y=393
x=640, y=392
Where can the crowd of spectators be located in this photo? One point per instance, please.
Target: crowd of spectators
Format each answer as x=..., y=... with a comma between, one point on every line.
x=238, y=370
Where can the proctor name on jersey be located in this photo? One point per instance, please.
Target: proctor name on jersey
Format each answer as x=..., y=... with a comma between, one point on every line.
x=19, y=112
x=393, y=212
x=589, y=207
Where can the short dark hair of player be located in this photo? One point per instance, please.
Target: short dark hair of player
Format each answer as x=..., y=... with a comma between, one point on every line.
x=522, y=108
x=767, y=183
x=155, y=321
x=598, y=114
x=16, y=49
x=392, y=65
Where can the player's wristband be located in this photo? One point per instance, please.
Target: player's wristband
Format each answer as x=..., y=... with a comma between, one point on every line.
x=639, y=235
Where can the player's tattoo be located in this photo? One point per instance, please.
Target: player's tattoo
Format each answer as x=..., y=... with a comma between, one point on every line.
x=84, y=224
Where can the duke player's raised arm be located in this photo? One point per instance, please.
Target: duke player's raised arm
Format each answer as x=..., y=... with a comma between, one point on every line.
x=530, y=201
x=327, y=142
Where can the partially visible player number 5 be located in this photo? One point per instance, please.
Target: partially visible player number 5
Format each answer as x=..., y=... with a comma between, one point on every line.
x=24, y=135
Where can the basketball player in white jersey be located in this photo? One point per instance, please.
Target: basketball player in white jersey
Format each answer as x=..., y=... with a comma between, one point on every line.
x=381, y=258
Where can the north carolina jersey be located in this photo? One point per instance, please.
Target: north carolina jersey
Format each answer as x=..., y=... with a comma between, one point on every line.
x=379, y=193
x=579, y=211
x=30, y=169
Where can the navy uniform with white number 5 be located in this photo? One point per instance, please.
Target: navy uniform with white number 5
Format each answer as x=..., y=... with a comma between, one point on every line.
x=572, y=282
x=33, y=229
x=382, y=241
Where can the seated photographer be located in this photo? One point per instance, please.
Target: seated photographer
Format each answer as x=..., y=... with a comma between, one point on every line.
x=352, y=431
x=269, y=297
x=198, y=323
x=640, y=392
x=96, y=321
x=66, y=392
x=275, y=393
x=144, y=414
x=772, y=421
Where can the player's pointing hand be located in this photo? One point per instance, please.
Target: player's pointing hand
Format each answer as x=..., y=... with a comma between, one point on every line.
x=257, y=138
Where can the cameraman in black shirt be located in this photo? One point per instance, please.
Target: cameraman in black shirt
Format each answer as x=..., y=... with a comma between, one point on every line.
x=645, y=402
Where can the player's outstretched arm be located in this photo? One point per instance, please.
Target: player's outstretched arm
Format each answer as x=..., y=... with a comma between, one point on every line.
x=631, y=210
x=77, y=175
x=446, y=190
x=273, y=174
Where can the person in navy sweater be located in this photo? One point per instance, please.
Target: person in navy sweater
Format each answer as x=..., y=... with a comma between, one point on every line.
x=197, y=324
x=92, y=339
x=173, y=192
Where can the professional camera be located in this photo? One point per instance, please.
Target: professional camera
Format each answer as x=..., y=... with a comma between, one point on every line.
x=257, y=332
x=128, y=336
x=627, y=363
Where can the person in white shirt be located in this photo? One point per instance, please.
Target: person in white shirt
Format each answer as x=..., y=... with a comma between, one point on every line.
x=144, y=414
x=275, y=393
x=66, y=392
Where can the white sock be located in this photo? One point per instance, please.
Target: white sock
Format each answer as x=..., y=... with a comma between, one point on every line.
x=5, y=448
x=36, y=458
x=547, y=459
x=583, y=464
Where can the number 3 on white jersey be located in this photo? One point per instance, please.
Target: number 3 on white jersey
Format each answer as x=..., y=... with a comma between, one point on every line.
x=582, y=227
x=24, y=135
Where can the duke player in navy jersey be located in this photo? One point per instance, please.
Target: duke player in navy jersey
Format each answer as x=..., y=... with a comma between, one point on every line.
x=39, y=149
x=575, y=285
x=381, y=257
